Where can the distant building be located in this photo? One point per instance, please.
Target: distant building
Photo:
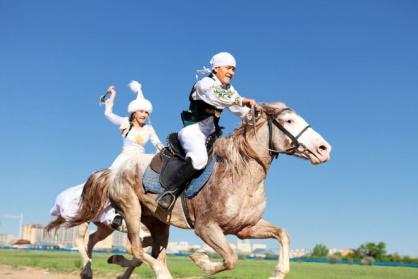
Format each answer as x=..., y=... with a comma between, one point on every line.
x=7, y=239
x=119, y=240
x=346, y=252
x=259, y=246
x=244, y=247
x=297, y=253
x=65, y=237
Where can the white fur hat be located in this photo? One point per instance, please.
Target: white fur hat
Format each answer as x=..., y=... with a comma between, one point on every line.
x=223, y=59
x=140, y=103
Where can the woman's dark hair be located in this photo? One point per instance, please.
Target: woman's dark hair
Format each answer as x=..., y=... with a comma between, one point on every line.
x=131, y=123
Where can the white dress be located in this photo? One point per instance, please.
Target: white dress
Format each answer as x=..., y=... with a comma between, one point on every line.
x=67, y=202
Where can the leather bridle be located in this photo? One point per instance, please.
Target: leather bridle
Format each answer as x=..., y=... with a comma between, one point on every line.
x=271, y=120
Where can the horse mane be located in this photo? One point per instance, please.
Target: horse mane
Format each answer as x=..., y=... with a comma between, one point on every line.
x=235, y=150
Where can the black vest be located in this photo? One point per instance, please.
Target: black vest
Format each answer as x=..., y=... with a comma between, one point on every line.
x=200, y=110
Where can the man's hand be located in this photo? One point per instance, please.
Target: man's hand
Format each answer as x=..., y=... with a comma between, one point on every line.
x=248, y=102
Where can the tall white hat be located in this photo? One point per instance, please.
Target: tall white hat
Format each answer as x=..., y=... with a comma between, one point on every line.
x=223, y=59
x=140, y=103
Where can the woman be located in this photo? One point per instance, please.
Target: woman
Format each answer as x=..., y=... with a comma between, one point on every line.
x=135, y=133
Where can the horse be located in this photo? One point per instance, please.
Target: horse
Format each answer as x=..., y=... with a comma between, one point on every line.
x=232, y=201
x=103, y=230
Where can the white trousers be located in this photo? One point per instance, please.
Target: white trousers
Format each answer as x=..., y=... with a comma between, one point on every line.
x=193, y=139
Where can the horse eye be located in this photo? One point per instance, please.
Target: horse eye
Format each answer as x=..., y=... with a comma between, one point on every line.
x=290, y=121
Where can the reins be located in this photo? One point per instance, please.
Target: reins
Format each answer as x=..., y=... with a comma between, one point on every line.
x=271, y=120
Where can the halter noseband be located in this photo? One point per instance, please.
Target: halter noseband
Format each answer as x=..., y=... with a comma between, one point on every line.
x=295, y=142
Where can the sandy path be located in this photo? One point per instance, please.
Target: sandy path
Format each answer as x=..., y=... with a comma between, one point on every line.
x=9, y=272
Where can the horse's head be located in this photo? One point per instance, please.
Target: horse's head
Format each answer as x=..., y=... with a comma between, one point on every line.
x=289, y=133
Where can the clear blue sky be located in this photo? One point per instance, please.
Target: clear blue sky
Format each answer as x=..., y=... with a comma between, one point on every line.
x=350, y=68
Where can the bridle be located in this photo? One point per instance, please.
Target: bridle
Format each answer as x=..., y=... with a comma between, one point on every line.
x=271, y=120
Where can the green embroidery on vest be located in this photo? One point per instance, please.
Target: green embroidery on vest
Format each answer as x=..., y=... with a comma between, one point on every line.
x=223, y=93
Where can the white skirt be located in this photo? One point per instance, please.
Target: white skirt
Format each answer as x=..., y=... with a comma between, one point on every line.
x=67, y=202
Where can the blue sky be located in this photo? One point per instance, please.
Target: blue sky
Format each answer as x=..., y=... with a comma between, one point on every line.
x=350, y=68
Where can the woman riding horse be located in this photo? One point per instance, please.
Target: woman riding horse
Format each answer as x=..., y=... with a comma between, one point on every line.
x=135, y=133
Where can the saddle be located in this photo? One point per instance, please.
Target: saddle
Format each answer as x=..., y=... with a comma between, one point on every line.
x=170, y=173
x=174, y=149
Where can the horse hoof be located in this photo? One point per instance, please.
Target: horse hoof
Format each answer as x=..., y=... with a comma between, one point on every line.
x=115, y=259
x=86, y=273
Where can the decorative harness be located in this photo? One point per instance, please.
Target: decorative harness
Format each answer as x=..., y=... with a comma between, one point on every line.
x=295, y=142
x=271, y=120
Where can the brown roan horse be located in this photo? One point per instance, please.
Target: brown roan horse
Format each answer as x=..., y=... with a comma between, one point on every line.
x=232, y=202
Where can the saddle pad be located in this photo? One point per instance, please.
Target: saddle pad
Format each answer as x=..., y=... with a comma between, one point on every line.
x=151, y=180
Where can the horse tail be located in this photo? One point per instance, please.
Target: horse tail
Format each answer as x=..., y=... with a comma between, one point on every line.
x=94, y=198
x=55, y=224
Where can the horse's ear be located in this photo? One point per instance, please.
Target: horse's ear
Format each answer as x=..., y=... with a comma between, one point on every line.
x=269, y=110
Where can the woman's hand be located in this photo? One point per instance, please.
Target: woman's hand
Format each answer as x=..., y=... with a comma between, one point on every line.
x=111, y=90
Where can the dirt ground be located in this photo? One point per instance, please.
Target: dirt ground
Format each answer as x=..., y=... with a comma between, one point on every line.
x=8, y=272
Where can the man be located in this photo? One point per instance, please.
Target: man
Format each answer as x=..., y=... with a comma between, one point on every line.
x=208, y=98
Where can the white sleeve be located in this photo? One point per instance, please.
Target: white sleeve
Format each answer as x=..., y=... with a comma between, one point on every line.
x=115, y=119
x=239, y=111
x=153, y=137
x=212, y=93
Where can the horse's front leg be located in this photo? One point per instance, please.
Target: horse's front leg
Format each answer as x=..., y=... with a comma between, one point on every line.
x=86, y=272
x=160, y=233
x=213, y=235
x=131, y=210
x=264, y=229
x=101, y=233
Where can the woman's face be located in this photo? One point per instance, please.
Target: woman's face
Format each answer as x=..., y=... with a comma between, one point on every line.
x=225, y=74
x=140, y=116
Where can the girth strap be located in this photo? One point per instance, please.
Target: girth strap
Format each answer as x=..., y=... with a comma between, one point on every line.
x=186, y=211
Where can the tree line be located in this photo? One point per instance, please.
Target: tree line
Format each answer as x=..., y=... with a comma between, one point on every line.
x=366, y=253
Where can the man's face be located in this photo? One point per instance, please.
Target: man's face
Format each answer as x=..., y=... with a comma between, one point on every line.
x=225, y=74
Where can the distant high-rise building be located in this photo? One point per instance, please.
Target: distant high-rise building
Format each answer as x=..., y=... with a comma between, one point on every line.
x=65, y=237
x=7, y=239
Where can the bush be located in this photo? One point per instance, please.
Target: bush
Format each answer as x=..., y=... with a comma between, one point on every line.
x=320, y=251
x=367, y=261
x=334, y=259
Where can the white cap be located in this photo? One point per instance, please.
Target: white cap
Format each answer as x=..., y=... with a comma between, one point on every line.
x=223, y=59
x=140, y=103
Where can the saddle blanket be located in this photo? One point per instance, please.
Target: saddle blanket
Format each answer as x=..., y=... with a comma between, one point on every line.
x=151, y=180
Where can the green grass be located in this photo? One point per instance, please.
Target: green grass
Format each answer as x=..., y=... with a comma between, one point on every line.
x=183, y=267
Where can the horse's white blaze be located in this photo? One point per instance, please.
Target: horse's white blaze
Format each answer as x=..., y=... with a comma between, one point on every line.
x=310, y=138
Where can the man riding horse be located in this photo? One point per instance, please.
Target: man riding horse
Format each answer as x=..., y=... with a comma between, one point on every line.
x=208, y=98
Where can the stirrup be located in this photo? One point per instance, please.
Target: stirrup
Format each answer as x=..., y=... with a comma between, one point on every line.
x=117, y=221
x=162, y=202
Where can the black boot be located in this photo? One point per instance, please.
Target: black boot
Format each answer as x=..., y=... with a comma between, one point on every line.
x=117, y=221
x=174, y=179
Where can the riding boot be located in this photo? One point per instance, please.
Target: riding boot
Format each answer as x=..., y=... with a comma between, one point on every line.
x=174, y=180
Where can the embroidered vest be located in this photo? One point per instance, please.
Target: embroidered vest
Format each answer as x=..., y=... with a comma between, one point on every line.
x=200, y=110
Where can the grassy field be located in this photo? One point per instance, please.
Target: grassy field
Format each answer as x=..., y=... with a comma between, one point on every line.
x=183, y=267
